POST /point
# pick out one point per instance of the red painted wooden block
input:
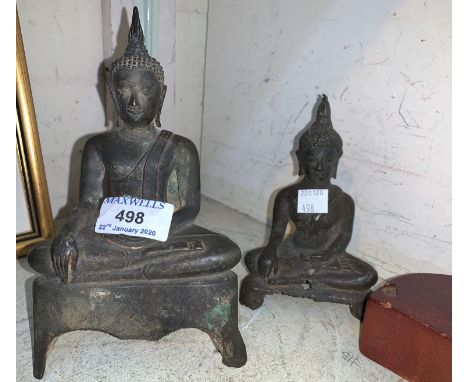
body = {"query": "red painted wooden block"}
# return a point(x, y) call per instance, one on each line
point(407, 327)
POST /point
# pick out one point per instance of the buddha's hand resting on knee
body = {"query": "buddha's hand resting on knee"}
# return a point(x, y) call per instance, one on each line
point(267, 262)
point(64, 253)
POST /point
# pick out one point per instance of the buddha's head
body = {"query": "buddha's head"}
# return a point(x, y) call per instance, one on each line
point(137, 81)
point(320, 147)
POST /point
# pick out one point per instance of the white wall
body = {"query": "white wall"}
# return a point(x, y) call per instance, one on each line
point(166, 56)
point(64, 49)
point(387, 71)
point(190, 44)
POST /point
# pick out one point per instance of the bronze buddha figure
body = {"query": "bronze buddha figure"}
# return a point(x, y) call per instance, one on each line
point(132, 287)
point(312, 262)
point(143, 162)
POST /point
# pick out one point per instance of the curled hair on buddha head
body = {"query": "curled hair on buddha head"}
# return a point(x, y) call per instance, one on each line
point(320, 134)
point(136, 55)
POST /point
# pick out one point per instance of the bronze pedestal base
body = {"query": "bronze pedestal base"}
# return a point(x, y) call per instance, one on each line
point(254, 289)
point(148, 310)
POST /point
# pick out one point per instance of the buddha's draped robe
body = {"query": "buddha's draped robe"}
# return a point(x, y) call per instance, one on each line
point(163, 173)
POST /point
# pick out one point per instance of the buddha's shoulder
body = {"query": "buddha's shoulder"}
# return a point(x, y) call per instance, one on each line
point(182, 142)
point(337, 195)
point(100, 139)
point(287, 195)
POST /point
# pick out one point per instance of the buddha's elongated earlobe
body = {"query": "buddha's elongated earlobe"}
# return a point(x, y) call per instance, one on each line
point(334, 171)
point(117, 119)
point(301, 171)
point(161, 101)
point(299, 160)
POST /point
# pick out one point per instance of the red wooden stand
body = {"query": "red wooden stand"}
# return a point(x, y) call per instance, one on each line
point(407, 327)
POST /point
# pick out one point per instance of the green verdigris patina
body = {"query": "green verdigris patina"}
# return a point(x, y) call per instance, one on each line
point(218, 316)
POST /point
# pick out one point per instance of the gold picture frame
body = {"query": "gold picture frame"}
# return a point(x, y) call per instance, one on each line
point(29, 160)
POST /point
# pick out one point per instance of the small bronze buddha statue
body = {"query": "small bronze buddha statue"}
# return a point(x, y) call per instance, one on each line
point(132, 287)
point(142, 162)
point(312, 262)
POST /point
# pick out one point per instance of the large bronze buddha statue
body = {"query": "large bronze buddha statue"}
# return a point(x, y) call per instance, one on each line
point(312, 261)
point(132, 287)
point(144, 162)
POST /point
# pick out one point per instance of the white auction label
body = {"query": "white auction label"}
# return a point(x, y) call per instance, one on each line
point(135, 217)
point(312, 201)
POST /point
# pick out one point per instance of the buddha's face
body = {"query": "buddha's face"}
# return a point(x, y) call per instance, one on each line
point(137, 96)
point(319, 163)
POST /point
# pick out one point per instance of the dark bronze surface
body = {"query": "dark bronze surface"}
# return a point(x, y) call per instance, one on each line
point(144, 162)
point(311, 262)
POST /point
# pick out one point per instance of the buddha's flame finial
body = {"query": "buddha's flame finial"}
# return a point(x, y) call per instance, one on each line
point(136, 36)
point(324, 111)
point(136, 55)
point(321, 133)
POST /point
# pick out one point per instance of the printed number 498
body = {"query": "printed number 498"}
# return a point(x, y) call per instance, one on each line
point(130, 216)
point(307, 208)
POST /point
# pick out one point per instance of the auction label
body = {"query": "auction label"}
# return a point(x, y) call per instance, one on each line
point(312, 201)
point(135, 217)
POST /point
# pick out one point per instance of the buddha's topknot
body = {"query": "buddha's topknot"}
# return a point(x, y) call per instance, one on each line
point(321, 133)
point(136, 55)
